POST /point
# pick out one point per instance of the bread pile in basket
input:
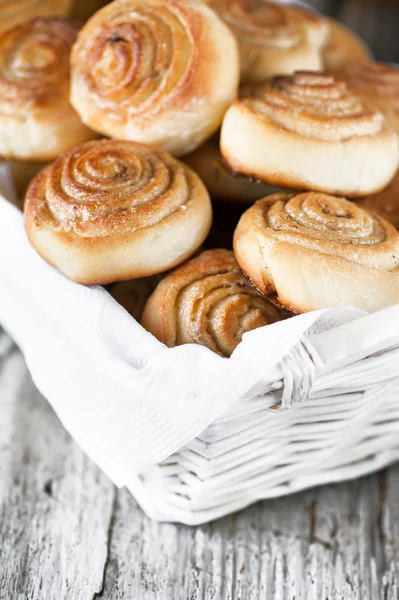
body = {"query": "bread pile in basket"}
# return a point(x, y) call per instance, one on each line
point(132, 130)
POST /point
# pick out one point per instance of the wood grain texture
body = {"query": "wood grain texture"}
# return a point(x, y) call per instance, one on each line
point(55, 505)
point(66, 533)
point(335, 542)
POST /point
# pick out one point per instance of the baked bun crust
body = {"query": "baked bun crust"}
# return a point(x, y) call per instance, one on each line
point(113, 210)
point(37, 121)
point(274, 38)
point(385, 203)
point(162, 72)
point(343, 45)
point(207, 301)
point(222, 184)
point(317, 251)
point(376, 83)
point(308, 131)
point(14, 12)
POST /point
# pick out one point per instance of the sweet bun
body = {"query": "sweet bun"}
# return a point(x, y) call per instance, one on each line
point(308, 131)
point(162, 72)
point(113, 210)
point(318, 251)
point(37, 122)
point(343, 45)
point(376, 83)
point(274, 38)
point(13, 12)
point(222, 184)
point(207, 301)
point(134, 293)
point(385, 203)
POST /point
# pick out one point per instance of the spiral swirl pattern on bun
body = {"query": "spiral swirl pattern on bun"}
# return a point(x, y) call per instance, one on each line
point(314, 105)
point(161, 72)
point(37, 121)
point(273, 37)
point(207, 301)
point(112, 210)
point(376, 83)
point(13, 12)
point(319, 251)
point(308, 131)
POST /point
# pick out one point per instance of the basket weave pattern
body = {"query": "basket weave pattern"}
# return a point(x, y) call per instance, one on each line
point(323, 430)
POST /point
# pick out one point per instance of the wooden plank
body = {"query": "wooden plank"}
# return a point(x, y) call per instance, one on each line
point(335, 542)
point(55, 505)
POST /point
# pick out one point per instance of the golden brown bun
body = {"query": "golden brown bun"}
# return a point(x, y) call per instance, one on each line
point(223, 184)
point(307, 131)
point(162, 72)
point(273, 38)
point(14, 12)
point(207, 301)
point(318, 251)
point(134, 293)
point(113, 210)
point(83, 9)
point(343, 45)
point(37, 122)
point(385, 203)
point(378, 84)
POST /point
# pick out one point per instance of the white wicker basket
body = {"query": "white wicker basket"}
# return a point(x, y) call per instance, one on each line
point(340, 424)
point(327, 411)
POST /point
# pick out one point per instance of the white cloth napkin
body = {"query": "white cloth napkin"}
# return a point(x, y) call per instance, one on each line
point(128, 400)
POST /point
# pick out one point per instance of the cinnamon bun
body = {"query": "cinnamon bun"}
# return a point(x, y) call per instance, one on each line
point(113, 210)
point(161, 72)
point(308, 131)
point(37, 122)
point(207, 301)
point(318, 251)
point(274, 37)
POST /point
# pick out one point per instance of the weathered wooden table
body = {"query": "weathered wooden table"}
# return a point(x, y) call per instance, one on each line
point(67, 534)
